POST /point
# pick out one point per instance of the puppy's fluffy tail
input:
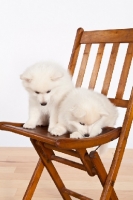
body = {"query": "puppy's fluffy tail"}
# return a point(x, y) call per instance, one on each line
point(103, 148)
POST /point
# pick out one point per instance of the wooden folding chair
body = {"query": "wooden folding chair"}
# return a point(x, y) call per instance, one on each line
point(113, 44)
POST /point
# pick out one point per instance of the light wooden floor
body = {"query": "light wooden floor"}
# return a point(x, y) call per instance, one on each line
point(17, 165)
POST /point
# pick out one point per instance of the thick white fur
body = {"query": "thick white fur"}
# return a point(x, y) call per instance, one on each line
point(84, 113)
point(65, 108)
point(52, 83)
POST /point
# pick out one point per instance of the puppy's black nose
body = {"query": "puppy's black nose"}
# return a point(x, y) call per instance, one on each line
point(43, 104)
point(86, 135)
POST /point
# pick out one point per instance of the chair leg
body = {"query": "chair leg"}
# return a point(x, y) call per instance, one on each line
point(34, 181)
point(83, 155)
point(45, 155)
point(101, 173)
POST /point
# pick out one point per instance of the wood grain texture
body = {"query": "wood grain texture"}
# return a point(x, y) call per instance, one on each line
point(83, 66)
point(17, 166)
point(125, 72)
point(96, 66)
point(75, 51)
point(108, 36)
point(45, 144)
point(110, 69)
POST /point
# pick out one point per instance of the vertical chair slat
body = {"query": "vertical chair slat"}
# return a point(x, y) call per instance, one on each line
point(125, 71)
point(83, 65)
point(110, 68)
point(96, 66)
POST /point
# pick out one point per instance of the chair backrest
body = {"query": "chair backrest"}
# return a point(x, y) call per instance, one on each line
point(106, 58)
point(120, 72)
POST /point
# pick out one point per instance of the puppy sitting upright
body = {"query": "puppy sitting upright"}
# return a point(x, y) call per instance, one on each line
point(47, 84)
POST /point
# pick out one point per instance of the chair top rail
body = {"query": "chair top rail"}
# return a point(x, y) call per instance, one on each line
point(107, 36)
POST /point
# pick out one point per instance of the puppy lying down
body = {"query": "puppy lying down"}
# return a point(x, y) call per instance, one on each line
point(84, 113)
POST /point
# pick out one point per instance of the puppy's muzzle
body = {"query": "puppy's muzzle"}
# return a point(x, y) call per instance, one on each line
point(86, 135)
point(43, 104)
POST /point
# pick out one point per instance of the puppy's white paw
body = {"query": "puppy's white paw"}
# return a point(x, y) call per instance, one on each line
point(50, 128)
point(103, 148)
point(58, 130)
point(76, 135)
point(95, 131)
point(29, 125)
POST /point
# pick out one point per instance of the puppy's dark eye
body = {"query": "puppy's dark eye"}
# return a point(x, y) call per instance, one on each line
point(48, 91)
point(37, 92)
point(82, 123)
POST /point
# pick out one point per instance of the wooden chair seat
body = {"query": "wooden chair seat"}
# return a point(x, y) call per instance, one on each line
point(64, 141)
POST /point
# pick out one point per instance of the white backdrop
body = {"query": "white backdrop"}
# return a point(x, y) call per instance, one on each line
point(36, 30)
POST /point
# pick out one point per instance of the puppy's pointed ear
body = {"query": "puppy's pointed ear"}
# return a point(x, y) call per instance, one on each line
point(55, 76)
point(26, 77)
point(78, 112)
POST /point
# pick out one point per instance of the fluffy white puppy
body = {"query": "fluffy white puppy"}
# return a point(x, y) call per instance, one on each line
point(84, 113)
point(47, 84)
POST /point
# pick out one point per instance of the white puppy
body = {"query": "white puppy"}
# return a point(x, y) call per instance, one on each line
point(84, 113)
point(47, 85)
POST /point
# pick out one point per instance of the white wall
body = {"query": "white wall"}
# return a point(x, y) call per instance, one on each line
point(36, 30)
